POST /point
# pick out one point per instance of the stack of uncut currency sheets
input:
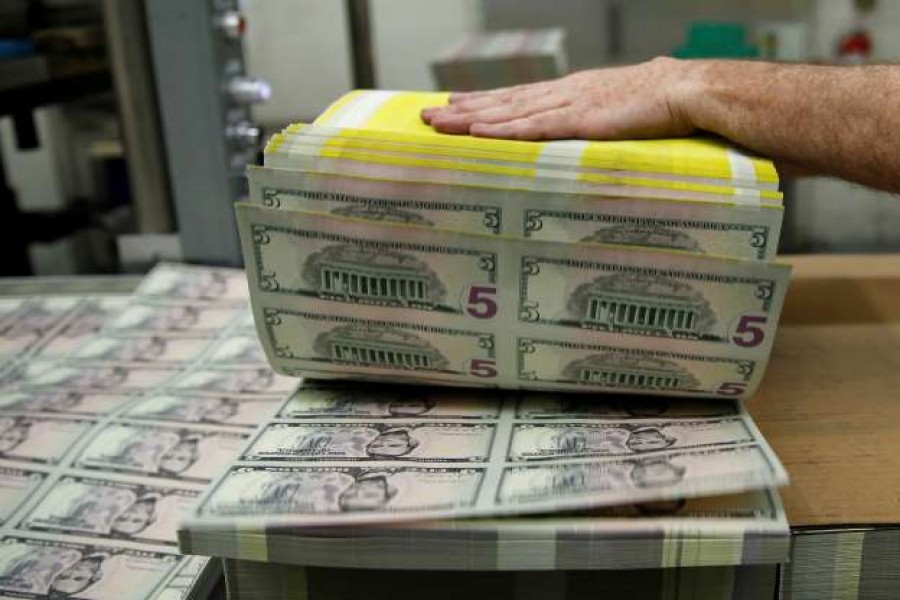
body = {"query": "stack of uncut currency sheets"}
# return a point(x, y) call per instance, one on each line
point(516, 355)
point(379, 249)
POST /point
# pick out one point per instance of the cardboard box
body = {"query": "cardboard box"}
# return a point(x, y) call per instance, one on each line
point(830, 404)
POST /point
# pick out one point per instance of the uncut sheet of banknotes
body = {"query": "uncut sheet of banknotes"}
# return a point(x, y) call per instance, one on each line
point(428, 478)
point(115, 412)
point(568, 281)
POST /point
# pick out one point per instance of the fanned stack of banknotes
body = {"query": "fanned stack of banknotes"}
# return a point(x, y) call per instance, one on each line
point(377, 248)
point(575, 323)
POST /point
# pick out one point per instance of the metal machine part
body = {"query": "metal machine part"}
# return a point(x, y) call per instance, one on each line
point(232, 24)
point(132, 68)
point(204, 97)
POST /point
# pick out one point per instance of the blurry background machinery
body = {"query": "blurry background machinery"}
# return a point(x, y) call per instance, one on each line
point(129, 132)
point(54, 100)
point(126, 125)
point(204, 96)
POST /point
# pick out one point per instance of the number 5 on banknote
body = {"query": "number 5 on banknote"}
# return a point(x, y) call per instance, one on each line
point(482, 302)
point(592, 290)
point(749, 332)
point(329, 260)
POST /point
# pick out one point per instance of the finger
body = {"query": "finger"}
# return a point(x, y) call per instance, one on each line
point(428, 113)
point(496, 114)
point(519, 93)
point(463, 96)
point(559, 123)
point(531, 95)
point(476, 102)
point(449, 123)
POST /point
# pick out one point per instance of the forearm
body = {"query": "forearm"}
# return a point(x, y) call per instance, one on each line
point(840, 121)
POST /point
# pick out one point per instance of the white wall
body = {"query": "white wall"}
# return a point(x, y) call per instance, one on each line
point(408, 33)
point(648, 27)
point(833, 215)
point(301, 48)
point(830, 19)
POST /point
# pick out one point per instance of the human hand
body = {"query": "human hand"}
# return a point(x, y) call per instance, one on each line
point(638, 101)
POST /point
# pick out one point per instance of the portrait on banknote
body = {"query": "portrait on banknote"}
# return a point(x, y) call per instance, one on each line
point(34, 568)
point(432, 441)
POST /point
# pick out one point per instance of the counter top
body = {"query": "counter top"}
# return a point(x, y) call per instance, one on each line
point(829, 403)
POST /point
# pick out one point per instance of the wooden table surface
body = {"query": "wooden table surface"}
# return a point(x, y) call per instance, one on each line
point(829, 404)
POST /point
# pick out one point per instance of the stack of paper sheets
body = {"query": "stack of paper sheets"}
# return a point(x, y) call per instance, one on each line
point(248, 580)
point(350, 476)
point(572, 279)
point(379, 249)
point(501, 58)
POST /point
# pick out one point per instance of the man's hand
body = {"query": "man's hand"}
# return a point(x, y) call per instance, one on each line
point(639, 101)
point(839, 121)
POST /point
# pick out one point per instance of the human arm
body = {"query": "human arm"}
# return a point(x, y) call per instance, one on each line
point(840, 121)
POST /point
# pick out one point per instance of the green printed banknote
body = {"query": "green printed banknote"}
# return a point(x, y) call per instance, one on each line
point(382, 299)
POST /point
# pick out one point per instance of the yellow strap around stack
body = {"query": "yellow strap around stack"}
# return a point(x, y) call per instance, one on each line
point(395, 116)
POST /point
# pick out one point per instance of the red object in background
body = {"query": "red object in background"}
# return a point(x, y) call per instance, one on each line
point(856, 45)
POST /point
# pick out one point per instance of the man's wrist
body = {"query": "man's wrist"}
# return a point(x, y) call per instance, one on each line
point(690, 93)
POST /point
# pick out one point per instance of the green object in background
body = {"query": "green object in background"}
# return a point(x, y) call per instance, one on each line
point(709, 39)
